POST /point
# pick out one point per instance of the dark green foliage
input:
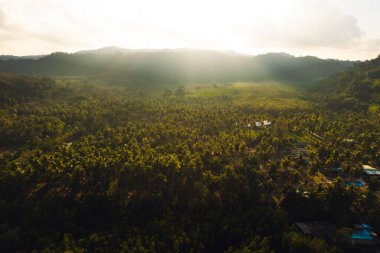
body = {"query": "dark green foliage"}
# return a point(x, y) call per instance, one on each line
point(355, 89)
point(93, 169)
point(298, 243)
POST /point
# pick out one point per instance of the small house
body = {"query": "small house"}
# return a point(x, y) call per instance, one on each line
point(323, 230)
point(363, 235)
point(356, 183)
point(266, 123)
point(371, 172)
point(368, 167)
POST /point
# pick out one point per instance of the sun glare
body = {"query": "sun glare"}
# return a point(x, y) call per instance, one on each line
point(294, 26)
point(202, 24)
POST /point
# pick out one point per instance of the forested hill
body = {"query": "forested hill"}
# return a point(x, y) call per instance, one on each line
point(356, 88)
point(176, 66)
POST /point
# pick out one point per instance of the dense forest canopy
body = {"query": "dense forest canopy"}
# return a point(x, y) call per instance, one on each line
point(357, 87)
point(220, 167)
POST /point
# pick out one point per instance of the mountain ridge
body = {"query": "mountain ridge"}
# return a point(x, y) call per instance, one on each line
point(169, 66)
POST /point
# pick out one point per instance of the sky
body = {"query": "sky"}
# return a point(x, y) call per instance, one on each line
point(338, 29)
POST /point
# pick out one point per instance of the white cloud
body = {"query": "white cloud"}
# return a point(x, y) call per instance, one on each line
point(322, 26)
point(309, 25)
point(295, 26)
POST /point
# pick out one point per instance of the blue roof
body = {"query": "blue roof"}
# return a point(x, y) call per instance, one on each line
point(366, 226)
point(362, 235)
point(355, 183)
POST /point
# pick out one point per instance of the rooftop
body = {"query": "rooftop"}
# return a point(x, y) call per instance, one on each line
point(357, 183)
point(372, 172)
point(368, 167)
point(363, 234)
point(319, 229)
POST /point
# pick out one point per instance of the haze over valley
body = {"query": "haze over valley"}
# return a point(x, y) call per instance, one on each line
point(210, 126)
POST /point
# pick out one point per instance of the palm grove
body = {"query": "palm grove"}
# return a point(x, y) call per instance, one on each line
point(96, 168)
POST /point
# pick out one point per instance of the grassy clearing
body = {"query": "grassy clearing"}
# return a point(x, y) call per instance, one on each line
point(266, 95)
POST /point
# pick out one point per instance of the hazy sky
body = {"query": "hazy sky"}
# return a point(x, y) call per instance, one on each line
point(343, 29)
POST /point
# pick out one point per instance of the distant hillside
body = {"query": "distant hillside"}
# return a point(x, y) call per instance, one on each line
point(12, 57)
point(357, 87)
point(144, 67)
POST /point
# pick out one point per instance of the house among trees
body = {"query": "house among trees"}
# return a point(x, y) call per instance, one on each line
point(371, 172)
point(323, 230)
point(368, 167)
point(350, 141)
point(267, 123)
point(363, 235)
point(356, 182)
point(299, 150)
point(263, 123)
